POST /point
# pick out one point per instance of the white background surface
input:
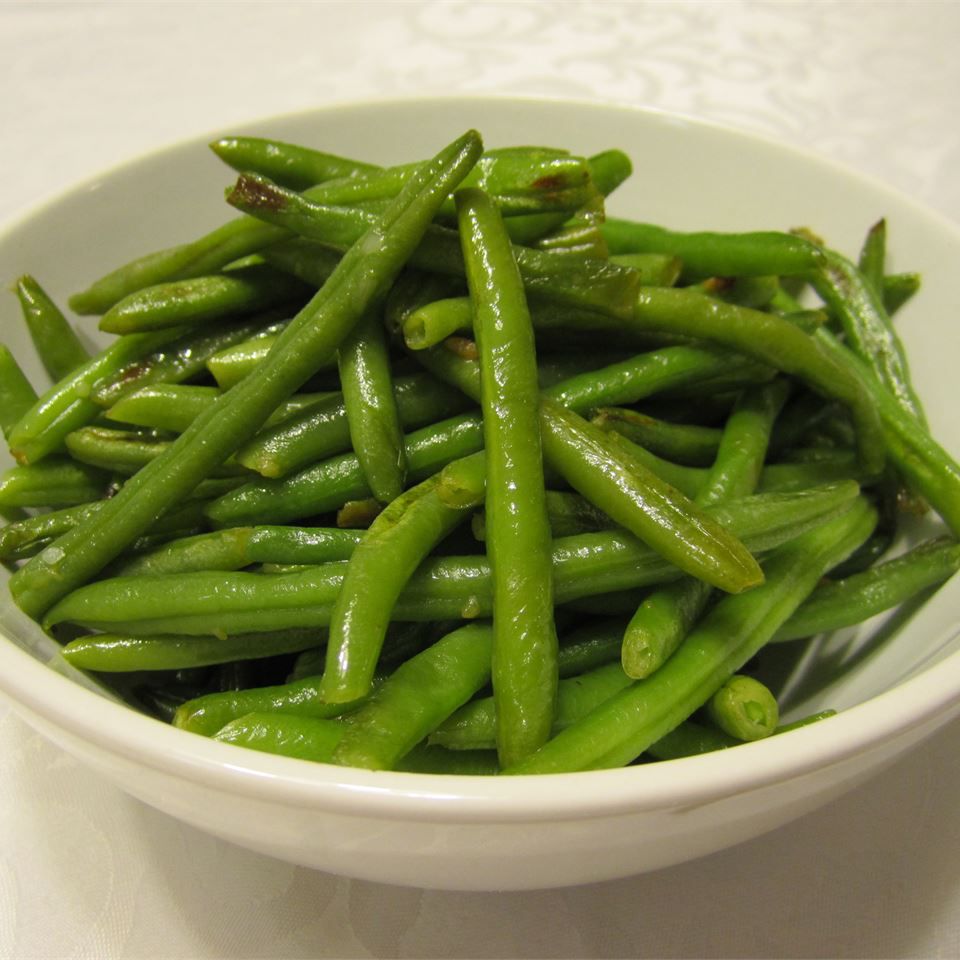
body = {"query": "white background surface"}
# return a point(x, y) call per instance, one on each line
point(86, 871)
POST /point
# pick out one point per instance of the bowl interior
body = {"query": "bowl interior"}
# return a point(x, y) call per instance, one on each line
point(687, 175)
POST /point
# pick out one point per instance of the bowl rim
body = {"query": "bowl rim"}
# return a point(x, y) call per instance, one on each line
point(929, 697)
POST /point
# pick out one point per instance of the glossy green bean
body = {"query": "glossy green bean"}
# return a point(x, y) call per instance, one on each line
point(327, 485)
point(744, 708)
point(769, 339)
point(17, 395)
point(616, 482)
point(322, 430)
point(363, 275)
point(595, 284)
point(731, 633)
point(689, 444)
point(376, 434)
point(843, 603)
point(200, 300)
point(866, 326)
point(306, 738)
point(67, 405)
point(927, 469)
point(119, 653)
point(416, 698)
point(295, 166)
point(54, 482)
point(207, 714)
point(379, 568)
point(665, 616)
point(443, 588)
point(58, 346)
point(706, 254)
point(518, 531)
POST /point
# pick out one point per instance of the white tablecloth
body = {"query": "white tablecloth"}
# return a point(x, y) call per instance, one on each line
point(87, 872)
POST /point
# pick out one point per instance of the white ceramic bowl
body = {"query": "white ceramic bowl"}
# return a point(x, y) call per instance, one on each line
point(489, 833)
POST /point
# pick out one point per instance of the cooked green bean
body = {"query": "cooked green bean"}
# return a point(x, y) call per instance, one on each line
point(208, 714)
point(363, 274)
point(744, 708)
point(67, 405)
point(17, 395)
point(443, 588)
point(322, 430)
point(688, 444)
point(370, 405)
point(518, 531)
point(307, 738)
point(416, 698)
point(922, 463)
point(595, 284)
point(844, 603)
point(384, 560)
point(118, 653)
point(769, 339)
point(624, 726)
point(706, 254)
point(293, 165)
point(57, 345)
point(54, 482)
point(613, 480)
point(200, 300)
point(666, 615)
point(866, 326)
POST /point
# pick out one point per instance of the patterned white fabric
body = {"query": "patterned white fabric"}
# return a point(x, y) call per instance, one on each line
point(85, 871)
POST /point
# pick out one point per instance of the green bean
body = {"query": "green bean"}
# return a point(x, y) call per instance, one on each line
point(308, 261)
point(772, 340)
point(595, 284)
point(207, 714)
point(518, 531)
point(844, 603)
point(125, 451)
point(397, 541)
point(58, 347)
point(744, 708)
point(616, 482)
point(199, 300)
point(475, 725)
point(589, 646)
point(306, 738)
point(327, 485)
point(655, 269)
point(926, 468)
point(417, 698)
point(294, 166)
point(707, 254)
point(443, 588)
point(118, 653)
point(568, 514)
point(524, 180)
point(363, 275)
point(730, 634)
point(359, 514)
point(322, 431)
point(370, 405)
point(688, 444)
point(866, 326)
point(17, 395)
point(755, 292)
point(174, 406)
point(666, 615)
point(54, 482)
point(67, 405)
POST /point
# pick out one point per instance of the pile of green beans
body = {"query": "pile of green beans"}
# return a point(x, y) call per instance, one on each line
point(440, 468)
